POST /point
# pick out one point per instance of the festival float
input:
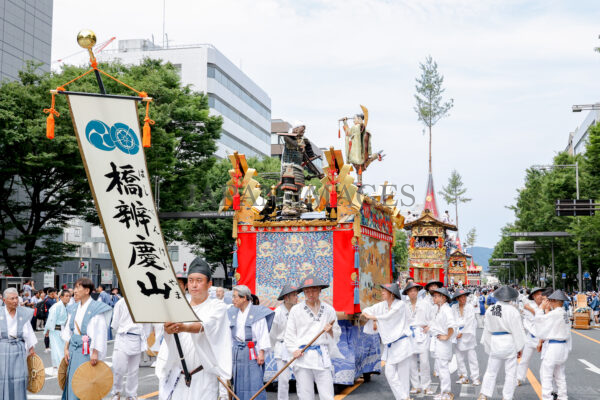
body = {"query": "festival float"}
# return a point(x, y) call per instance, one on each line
point(333, 232)
point(429, 243)
point(474, 274)
point(457, 267)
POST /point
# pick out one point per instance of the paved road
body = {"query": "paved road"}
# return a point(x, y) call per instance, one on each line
point(583, 377)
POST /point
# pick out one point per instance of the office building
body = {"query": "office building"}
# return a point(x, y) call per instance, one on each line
point(26, 34)
point(579, 138)
point(244, 106)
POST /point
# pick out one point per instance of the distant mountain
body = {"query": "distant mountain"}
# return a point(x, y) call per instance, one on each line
point(481, 256)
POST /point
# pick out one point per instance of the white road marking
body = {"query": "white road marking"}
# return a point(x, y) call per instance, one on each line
point(590, 366)
point(43, 396)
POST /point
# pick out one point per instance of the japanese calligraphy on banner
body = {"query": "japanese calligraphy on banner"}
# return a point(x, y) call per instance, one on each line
point(108, 133)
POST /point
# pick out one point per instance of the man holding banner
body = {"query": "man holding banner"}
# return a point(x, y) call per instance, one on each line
point(85, 332)
point(205, 344)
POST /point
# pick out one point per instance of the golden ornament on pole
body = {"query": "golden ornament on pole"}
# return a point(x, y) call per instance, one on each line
point(37, 373)
point(87, 39)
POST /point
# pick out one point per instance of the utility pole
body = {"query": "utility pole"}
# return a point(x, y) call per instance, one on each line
point(579, 271)
point(553, 274)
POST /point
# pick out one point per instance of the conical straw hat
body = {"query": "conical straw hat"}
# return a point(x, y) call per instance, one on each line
point(62, 374)
point(92, 383)
point(37, 373)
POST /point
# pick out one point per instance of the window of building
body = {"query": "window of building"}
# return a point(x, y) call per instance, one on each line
point(237, 117)
point(235, 88)
point(173, 252)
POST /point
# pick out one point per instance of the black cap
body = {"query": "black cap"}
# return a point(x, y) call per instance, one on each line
point(313, 281)
point(433, 282)
point(506, 293)
point(558, 295)
point(287, 289)
point(444, 291)
point(392, 288)
point(410, 286)
point(533, 291)
point(460, 292)
point(199, 266)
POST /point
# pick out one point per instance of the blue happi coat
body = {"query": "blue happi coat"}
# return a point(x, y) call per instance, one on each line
point(13, 356)
point(76, 356)
point(247, 375)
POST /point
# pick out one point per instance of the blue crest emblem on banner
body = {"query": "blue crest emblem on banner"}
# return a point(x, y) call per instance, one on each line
point(119, 136)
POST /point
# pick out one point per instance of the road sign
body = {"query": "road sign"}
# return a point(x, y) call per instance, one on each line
point(571, 207)
point(524, 247)
point(586, 275)
point(84, 266)
point(564, 276)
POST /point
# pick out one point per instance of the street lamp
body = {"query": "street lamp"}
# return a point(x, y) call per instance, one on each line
point(576, 166)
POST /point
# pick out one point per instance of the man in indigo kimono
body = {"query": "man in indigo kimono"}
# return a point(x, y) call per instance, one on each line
point(250, 326)
point(16, 341)
point(85, 333)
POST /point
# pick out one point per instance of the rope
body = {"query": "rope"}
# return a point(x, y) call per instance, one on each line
point(94, 64)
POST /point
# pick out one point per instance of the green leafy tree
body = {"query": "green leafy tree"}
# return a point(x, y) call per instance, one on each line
point(400, 251)
point(44, 182)
point(454, 192)
point(430, 106)
point(212, 238)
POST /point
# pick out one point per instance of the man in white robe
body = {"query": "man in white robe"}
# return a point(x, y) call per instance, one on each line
point(503, 338)
point(306, 320)
point(429, 311)
point(553, 326)
point(420, 377)
point(530, 310)
point(130, 341)
point(441, 330)
point(390, 318)
point(466, 338)
point(206, 344)
point(289, 296)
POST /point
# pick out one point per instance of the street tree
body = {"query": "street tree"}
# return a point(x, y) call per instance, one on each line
point(213, 238)
point(430, 106)
point(454, 192)
point(400, 251)
point(471, 238)
point(43, 181)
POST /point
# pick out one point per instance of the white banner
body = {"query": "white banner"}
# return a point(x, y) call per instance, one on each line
point(49, 279)
point(106, 277)
point(108, 133)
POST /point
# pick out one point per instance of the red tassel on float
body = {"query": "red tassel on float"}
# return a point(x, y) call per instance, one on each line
point(236, 201)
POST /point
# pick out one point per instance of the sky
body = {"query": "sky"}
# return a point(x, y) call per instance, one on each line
point(513, 68)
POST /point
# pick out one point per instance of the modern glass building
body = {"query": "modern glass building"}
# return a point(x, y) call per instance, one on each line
point(25, 34)
point(244, 106)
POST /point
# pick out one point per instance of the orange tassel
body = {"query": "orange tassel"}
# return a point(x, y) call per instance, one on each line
point(146, 129)
point(339, 133)
point(50, 126)
point(146, 134)
point(50, 120)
